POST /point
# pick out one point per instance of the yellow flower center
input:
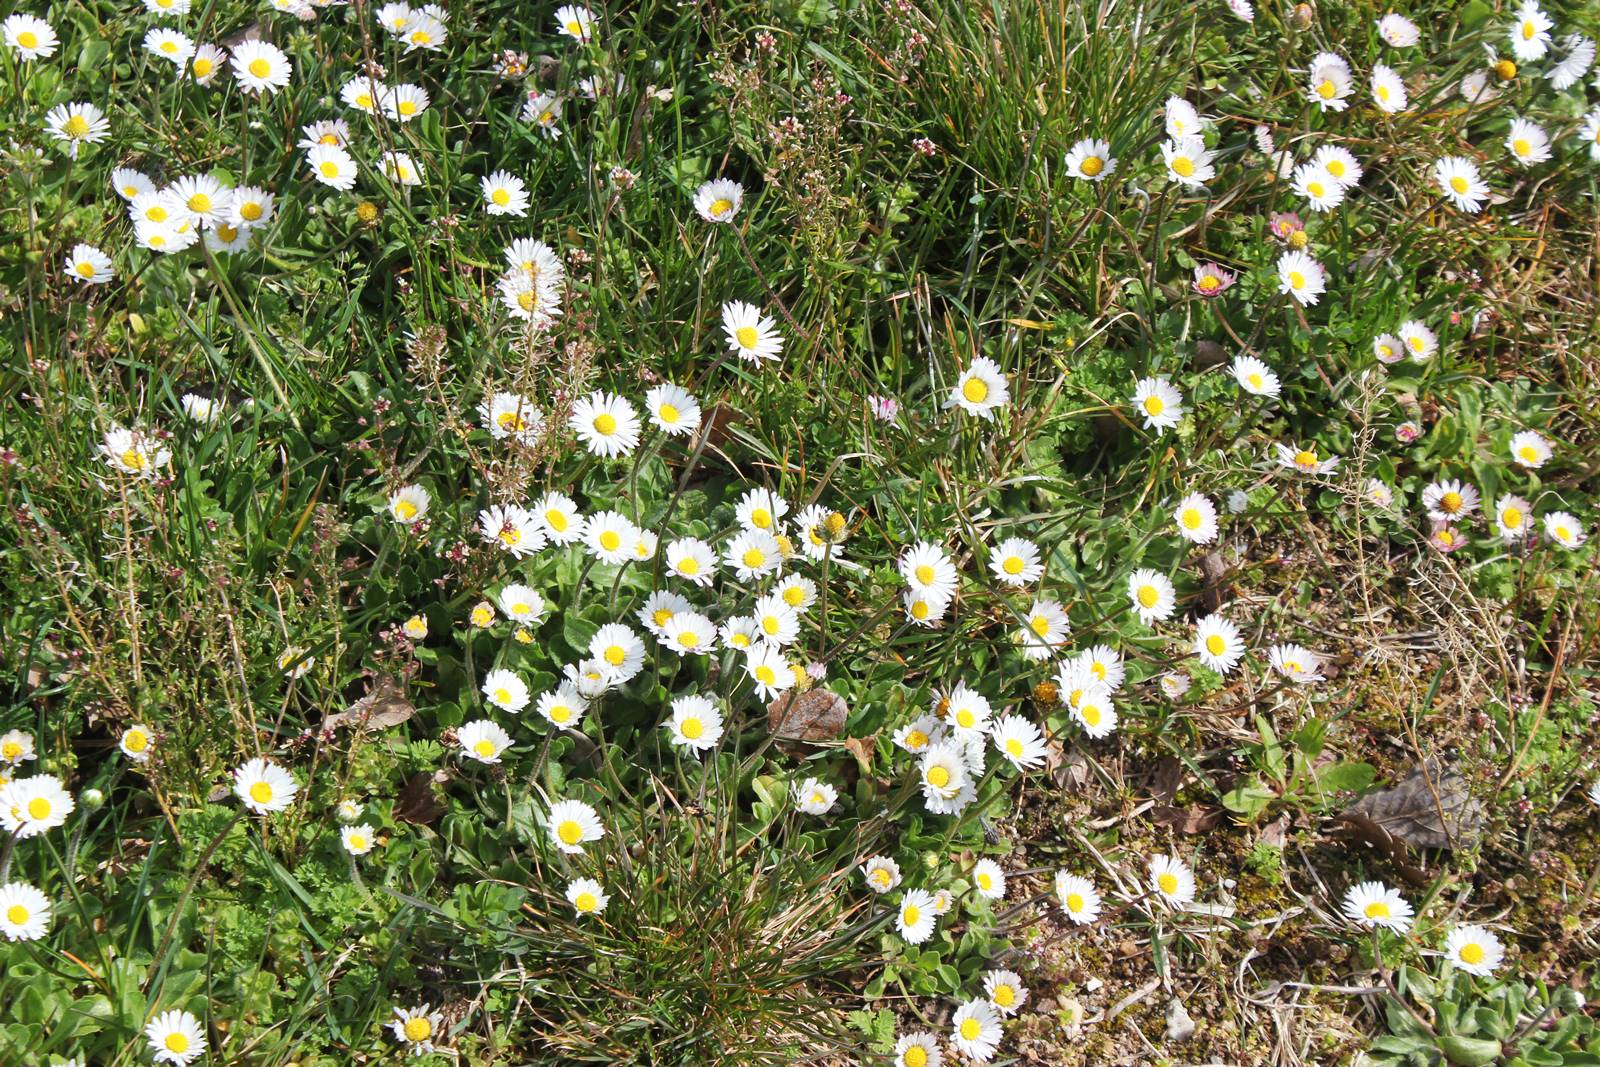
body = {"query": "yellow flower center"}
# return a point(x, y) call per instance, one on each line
point(576, 29)
point(560, 713)
point(586, 902)
point(1563, 533)
point(1378, 909)
point(364, 102)
point(570, 832)
point(418, 1029)
point(261, 792)
point(692, 729)
point(1211, 283)
point(753, 557)
point(199, 203)
point(746, 336)
point(1183, 166)
point(16, 915)
point(408, 107)
point(615, 654)
point(1305, 458)
point(260, 68)
point(136, 740)
point(11, 750)
point(1074, 902)
point(329, 169)
point(1039, 625)
point(1326, 89)
point(919, 609)
point(794, 596)
point(610, 540)
point(1154, 405)
point(501, 197)
point(484, 748)
point(421, 37)
point(721, 207)
point(1451, 501)
point(765, 675)
point(203, 66)
point(1459, 184)
point(605, 424)
point(689, 639)
point(1297, 280)
point(1092, 165)
point(405, 509)
point(156, 213)
point(924, 574)
point(916, 739)
point(133, 459)
point(1091, 714)
point(77, 126)
point(1149, 596)
point(911, 915)
point(1472, 953)
point(667, 414)
point(1014, 747)
point(1004, 996)
point(971, 1028)
point(1383, 93)
point(938, 777)
point(169, 47)
point(761, 517)
point(975, 390)
point(510, 535)
point(1191, 518)
point(28, 39)
point(1335, 167)
point(1168, 882)
point(176, 1042)
point(1511, 518)
point(358, 842)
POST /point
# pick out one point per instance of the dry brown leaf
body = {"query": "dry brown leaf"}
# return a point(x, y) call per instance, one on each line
point(385, 705)
point(815, 715)
point(416, 803)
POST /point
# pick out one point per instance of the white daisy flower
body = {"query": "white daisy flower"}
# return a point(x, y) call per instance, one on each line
point(409, 504)
point(416, 1028)
point(608, 537)
point(29, 36)
point(1474, 949)
point(881, 873)
point(1005, 991)
point(1459, 180)
point(562, 707)
point(1373, 904)
point(1078, 898)
point(1091, 160)
point(176, 1037)
point(619, 648)
point(1217, 643)
point(1527, 142)
point(1450, 499)
point(1196, 517)
point(752, 554)
point(1296, 663)
point(1182, 120)
point(363, 94)
point(1340, 163)
point(1188, 161)
point(512, 528)
point(332, 166)
point(1301, 277)
point(1171, 880)
point(558, 518)
point(1254, 376)
point(129, 183)
point(1564, 529)
point(928, 568)
point(405, 102)
point(606, 424)
point(576, 21)
point(573, 824)
point(916, 917)
point(689, 633)
point(1015, 562)
point(504, 194)
point(692, 559)
point(765, 664)
point(1158, 403)
point(264, 787)
point(136, 741)
point(260, 67)
point(673, 410)
point(1529, 449)
point(482, 740)
point(696, 723)
point(1152, 595)
point(587, 896)
point(751, 334)
point(206, 63)
point(358, 839)
point(24, 912)
point(719, 200)
point(761, 509)
point(980, 389)
point(88, 265)
point(813, 797)
point(1389, 90)
point(975, 1030)
point(1398, 31)
point(1529, 32)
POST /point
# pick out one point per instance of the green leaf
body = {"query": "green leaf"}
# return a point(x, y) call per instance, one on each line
point(1469, 1051)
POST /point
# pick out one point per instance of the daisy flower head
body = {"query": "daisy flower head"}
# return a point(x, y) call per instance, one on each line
point(1015, 562)
point(425, 33)
point(504, 194)
point(916, 735)
point(206, 63)
point(975, 1030)
point(926, 567)
point(24, 912)
point(357, 839)
point(918, 1049)
point(504, 690)
point(332, 166)
point(511, 528)
point(408, 505)
point(761, 509)
point(136, 742)
point(608, 535)
point(521, 604)
point(967, 711)
point(250, 205)
point(1091, 160)
point(1574, 64)
point(483, 740)
point(752, 335)
point(88, 265)
point(264, 787)
point(562, 707)
point(1189, 162)
point(989, 880)
point(16, 746)
point(1005, 991)
point(1044, 629)
point(1398, 31)
point(175, 1037)
point(1340, 164)
point(1321, 189)
point(1389, 90)
point(753, 554)
point(692, 559)
point(260, 67)
point(1196, 518)
point(1094, 711)
point(1449, 499)
point(1301, 277)
point(776, 622)
point(924, 607)
point(587, 896)
point(1388, 348)
point(765, 664)
point(1529, 32)
point(200, 200)
point(405, 102)
point(797, 591)
point(576, 21)
point(1078, 898)
point(129, 183)
point(719, 200)
point(881, 873)
point(1329, 83)
point(814, 797)
point(689, 633)
point(134, 452)
point(1458, 178)
point(1151, 595)
point(416, 1028)
point(619, 648)
point(1305, 459)
point(165, 237)
point(169, 44)
point(1378, 493)
point(1182, 120)
point(1211, 280)
point(1158, 403)
point(980, 389)
point(1171, 880)
point(573, 824)
point(1529, 449)
point(1527, 142)
point(1254, 376)
point(32, 806)
point(75, 125)
point(511, 415)
point(1564, 529)
point(916, 917)
point(1217, 643)
point(543, 110)
point(1298, 664)
point(29, 36)
point(1371, 905)
point(673, 410)
point(362, 93)
point(1103, 664)
point(696, 723)
point(1474, 949)
point(606, 424)
point(942, 771)
point(737, 634)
